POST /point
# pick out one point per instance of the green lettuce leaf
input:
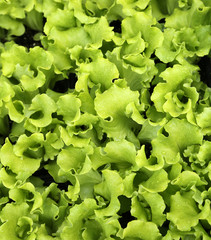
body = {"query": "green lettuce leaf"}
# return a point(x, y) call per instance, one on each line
point(72, 226)
point(142, 230)
point(27, 67)
point(113, 118)
point(16, 223)
point(23, 166)
point(179, 135)
point(184, 212)
point(41, 110)
point(176, 96)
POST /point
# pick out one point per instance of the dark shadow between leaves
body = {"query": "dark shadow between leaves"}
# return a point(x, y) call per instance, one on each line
point(62, 86)
point(117, 26)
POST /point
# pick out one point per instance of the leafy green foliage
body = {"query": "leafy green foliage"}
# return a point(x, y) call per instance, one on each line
point(105, 119)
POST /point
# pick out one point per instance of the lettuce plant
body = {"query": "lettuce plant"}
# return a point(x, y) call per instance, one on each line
point(105, 120)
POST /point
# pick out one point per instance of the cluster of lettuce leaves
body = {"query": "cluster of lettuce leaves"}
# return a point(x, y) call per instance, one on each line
point(105, 122)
